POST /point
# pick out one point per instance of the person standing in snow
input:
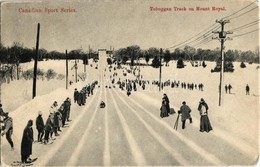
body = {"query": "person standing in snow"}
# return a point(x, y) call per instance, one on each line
point(48, 129)
point(247, 89)
point(27, 141)
point(8, 129)
point(226, 88)
point(164, 112)
point(40, 126)
point(68, 109)
point(76, 95)
point(229, 88)
point(59, 117)
point(2, 113)
point(204, 120)
point(185, 114)
point(167, 102)
point(54, 118)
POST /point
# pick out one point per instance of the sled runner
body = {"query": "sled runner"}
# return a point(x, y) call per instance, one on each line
point(19, 163)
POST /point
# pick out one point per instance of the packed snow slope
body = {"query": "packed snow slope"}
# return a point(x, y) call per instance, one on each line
point(129, 131)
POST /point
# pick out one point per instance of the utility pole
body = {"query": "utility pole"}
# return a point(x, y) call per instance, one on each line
point(36, 61)
point(76, 72)
point(85, 62)
point(66, 69)
point(160, 73)
point(88, 51)
point(222, 38)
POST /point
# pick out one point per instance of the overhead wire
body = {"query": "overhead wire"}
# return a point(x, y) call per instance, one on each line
point(239, 10)
point(202, 37)
point(238, 35)
point(245, 25)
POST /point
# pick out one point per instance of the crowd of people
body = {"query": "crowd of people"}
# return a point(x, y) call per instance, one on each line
point(81, 96)
point(58, 116)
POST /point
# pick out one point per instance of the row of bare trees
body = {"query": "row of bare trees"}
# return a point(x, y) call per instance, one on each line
point(11, 58)
point(188, 53)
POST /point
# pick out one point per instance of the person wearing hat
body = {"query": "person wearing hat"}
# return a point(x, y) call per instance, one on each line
point(204, 119)
point(48, 129)
point(76, 93)
point(166, 101)
point(40, 126)
point(8, 129)
point(66, 111)
point(2, 113)
point(185, 114)
point(54, 118)
point(27, 141)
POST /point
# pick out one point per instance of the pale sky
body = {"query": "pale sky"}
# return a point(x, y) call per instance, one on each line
point(120, 23)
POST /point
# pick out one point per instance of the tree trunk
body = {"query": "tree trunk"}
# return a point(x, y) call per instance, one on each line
point(17, 71)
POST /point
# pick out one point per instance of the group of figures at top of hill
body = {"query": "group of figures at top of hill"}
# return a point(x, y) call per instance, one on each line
point(185, 111)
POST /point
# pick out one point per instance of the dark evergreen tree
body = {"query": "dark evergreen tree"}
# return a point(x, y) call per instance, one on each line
point(180, 63)
point(204, 64)
point(109, 61)
point(242, 65)
point(167, 57)
point(156, 62)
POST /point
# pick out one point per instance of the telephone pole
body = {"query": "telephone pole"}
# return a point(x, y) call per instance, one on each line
point(222, 38)
point(160, 67)
point(85, 62)
point(66, 69)
point(36, 61)
point(76, 72)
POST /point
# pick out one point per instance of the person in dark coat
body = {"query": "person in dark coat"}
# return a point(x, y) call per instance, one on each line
point(40, 126)
point(80, 98)
point(229, 88)
point(66, 106)
point(68, 109)
point(226, 88)
point(27, 141)
point(2, 113)
point(164, 112)
point(167, 102)
point(76, 95)
point(8, 129)
point(48, 129)
point(185, 114)
point(247, 89)
point(204, 120)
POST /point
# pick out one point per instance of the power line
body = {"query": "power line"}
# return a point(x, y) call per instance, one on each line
point(205, 35)
point(244, 13)
point(245, 25)
point(239, 10)
point(192, 37)
point(203, 42)
point(245, 33)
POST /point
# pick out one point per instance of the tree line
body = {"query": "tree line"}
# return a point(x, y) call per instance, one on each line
point(17, 53)
point(134, 53)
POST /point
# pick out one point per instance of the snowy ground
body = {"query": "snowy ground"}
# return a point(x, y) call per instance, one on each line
point(129, 130)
